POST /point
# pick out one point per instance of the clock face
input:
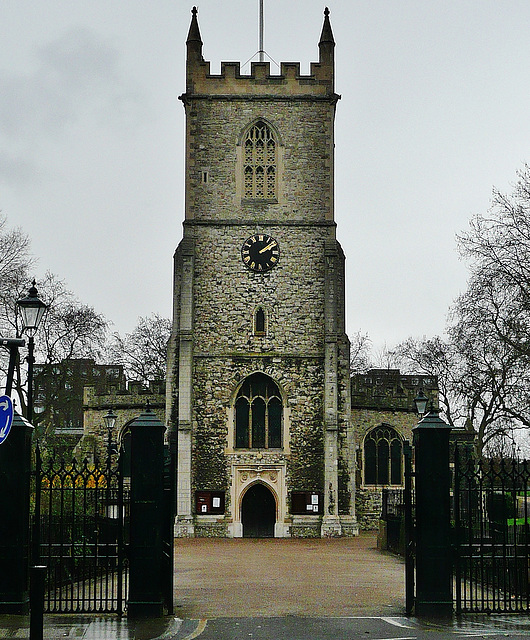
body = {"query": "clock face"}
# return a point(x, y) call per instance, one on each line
point(260, 252)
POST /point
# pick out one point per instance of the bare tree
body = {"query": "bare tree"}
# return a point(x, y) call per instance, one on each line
point(483, 365)
point(474, 381)
point(15, 263)
point(489, 373)
point(15, 254)
point(360, 353)
point(496, 305)
point(143, 352)
point(69, 329)
point(498, 249)
point(433, 357)
point(385, 358)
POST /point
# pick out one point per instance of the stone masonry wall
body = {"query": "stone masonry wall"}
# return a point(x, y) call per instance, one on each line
point(365, 419)
point(127, 405)
point(368, 505)
point(216, 385)
point(305, 160)
point(227, 293)
point(368, 498)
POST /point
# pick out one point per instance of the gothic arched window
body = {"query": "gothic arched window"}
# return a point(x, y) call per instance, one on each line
point(383, 455)
point(258, 414)
point(260, 163)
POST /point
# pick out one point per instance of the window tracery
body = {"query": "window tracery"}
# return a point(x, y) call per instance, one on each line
point(383, 455)
point(258, 414)
point(260, 163)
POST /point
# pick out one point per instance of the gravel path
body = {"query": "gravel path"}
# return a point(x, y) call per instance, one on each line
point(279, 577)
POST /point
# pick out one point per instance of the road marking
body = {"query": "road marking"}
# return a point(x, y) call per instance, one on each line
point(397, 622)
point(365, 618)
point(398, 638)
point(198, 630)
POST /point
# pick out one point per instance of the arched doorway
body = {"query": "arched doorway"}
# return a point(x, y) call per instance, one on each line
point(258, 512)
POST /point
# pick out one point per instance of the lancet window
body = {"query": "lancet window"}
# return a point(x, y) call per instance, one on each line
point(259, 322)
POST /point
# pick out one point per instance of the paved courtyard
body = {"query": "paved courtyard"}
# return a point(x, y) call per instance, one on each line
point(280, 577)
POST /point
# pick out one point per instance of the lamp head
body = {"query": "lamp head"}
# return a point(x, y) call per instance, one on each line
point(32, 309)
point(421, 401)
point(110, 420)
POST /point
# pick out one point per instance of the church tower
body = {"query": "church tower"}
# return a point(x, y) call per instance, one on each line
point(258, 368)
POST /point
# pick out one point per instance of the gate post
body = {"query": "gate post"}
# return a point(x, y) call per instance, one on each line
point(146, 516)
point(433, 517)
point(409, 535)
point(15, 480)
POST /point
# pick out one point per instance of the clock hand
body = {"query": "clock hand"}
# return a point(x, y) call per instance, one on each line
point(269, 246)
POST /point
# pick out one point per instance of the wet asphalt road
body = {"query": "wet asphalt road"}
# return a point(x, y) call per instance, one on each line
point(352, 628)
point(274, 628)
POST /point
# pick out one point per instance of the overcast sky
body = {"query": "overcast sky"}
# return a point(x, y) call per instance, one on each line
point(434, 113)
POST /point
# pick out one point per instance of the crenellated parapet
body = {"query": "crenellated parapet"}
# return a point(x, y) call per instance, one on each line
point(231, 83)
point(127, 404)
point(390, 390)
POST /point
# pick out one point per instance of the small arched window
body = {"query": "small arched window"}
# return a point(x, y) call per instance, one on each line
point(258, 414)
point(259, 322)
point(260, 160)
point(383, 456)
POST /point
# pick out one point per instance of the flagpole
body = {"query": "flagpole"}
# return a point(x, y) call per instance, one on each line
point(260, 44)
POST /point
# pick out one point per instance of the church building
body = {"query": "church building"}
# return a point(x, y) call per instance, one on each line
point(258, 390)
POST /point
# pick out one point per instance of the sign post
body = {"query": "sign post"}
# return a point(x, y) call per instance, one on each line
point(6, 417)
point(15, 479)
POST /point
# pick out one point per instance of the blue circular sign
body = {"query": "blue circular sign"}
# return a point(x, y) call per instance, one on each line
point(6, 417)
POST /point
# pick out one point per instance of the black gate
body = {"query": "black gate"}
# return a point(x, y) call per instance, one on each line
point(398, 512)
point(392, 514)
point(79, 533)
point(492, 534)
point(168, 543)
point(409, 514)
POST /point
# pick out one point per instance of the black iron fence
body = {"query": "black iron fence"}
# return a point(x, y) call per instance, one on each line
point(491, 512)
point(393, 515)
point(80, 527)
point(398, 515)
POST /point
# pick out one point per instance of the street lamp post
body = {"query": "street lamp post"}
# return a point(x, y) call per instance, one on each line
point(110, 421)
point(32, 309)
point(112, 507)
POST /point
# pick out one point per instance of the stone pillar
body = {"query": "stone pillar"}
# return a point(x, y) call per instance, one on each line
point(184, 525)
point(331, 522)
point(146, 516)
point(15, 476)
point(433, 517)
